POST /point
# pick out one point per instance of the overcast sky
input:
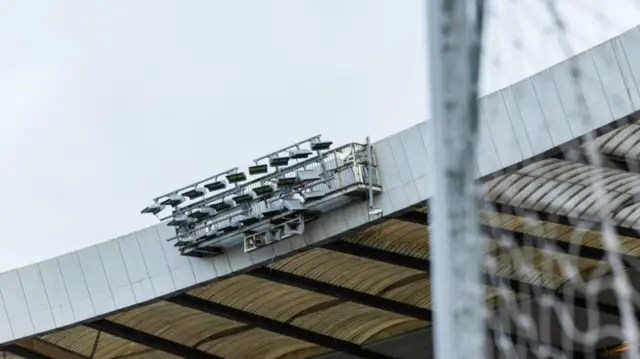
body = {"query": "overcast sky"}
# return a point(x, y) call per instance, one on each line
point(106, 104)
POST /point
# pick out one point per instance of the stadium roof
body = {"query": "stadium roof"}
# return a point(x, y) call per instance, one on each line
point(352, 288)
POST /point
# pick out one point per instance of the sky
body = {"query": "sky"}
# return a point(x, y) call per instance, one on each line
point(107, 104)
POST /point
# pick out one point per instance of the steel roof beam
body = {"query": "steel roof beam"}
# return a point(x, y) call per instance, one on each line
point(149, 340)
point(23, 352)
point(274, 326)
point(342, 293)
point(489, 279)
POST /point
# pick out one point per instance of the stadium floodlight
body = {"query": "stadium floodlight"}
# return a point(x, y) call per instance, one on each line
point(279, 161)
point(249, 219)
point(258, 169)
point(321, 145)
point(174, 200)
point(216, 185)
point(236, 177)
point(243, 198)
point(202, 212)
point(154, 209)
point(272, 211)
point(264, 190)
point(180, 221)
point(221, 206)
point(312, 195)
point(307, 176)
point(228, 227)
point(299, 153)
point(287, 181)
point(293, 205)
point(194, 192)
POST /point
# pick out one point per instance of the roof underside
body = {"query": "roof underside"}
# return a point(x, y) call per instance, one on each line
point(374, 285)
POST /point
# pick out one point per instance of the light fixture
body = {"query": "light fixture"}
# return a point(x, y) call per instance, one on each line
point(279, 161)
point(312, 195)
point(228, 227)
point(292, 205)
point(287, 181)
point(264, 190)
point(321, 145)
point(202, 212)
point(153, 209)
point(243, 198)
point(221, 206)
point(299, 153)
point(258, 169)
point(195, 192)
point(215, 186)
point(174, 200)
point(272, 211)
point(236, 177)
point(249, 219)
point(179, 221)
point(307, 176)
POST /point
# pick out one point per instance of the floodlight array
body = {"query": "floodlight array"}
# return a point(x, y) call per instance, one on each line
point(220, 207)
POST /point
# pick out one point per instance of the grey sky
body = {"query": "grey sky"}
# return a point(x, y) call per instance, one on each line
point(105, 104)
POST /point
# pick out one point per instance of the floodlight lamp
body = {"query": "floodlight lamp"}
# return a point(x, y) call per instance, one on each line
point(221, 206)
point(153, 209)
point(249, 219)
point(236, 177)
point(200, 213)
point(243, 198)
point(228, 227)
point(279, 161)
point(321, 145)
point(264, 190)
point(194, 192)
point(215, 186)
point(312, 195)
point(287, 181)
point(307, 176)
point(174, 200)
point(299, 153)
point(258, 169)
point(179, 221)
point(293, 205)
point(272, 211)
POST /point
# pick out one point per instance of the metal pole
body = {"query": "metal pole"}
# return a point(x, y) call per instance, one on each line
point(454, 33)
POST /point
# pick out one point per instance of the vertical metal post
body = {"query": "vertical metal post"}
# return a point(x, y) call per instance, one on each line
point(370, 173)
point(454, 34)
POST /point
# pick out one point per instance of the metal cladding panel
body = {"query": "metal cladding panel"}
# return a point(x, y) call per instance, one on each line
point(517, 123)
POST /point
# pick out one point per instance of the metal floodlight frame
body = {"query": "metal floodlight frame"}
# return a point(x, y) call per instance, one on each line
point(235, 169)
point(236, 177)
point(215, 185)
point(243, 198)
point(258, 169)
point(195, 192)
point(263, 190)
point(269, 177)
point(318, 145)
point(174, 200)
point(153, 208)
point(286, 182)
point(279, 161)
point(299, 153)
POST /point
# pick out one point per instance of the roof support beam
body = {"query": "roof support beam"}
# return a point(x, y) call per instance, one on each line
point(528, 240)
point(23, 352)
point(489, 279)
point(274, 326)
point(49, 350)
point(149, 340)
point(342, 293)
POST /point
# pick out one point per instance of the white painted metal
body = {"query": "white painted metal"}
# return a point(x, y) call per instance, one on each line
point(454, 28)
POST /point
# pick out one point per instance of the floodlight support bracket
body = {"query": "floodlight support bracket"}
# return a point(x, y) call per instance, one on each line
point(296, 145)
point(233, 170)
